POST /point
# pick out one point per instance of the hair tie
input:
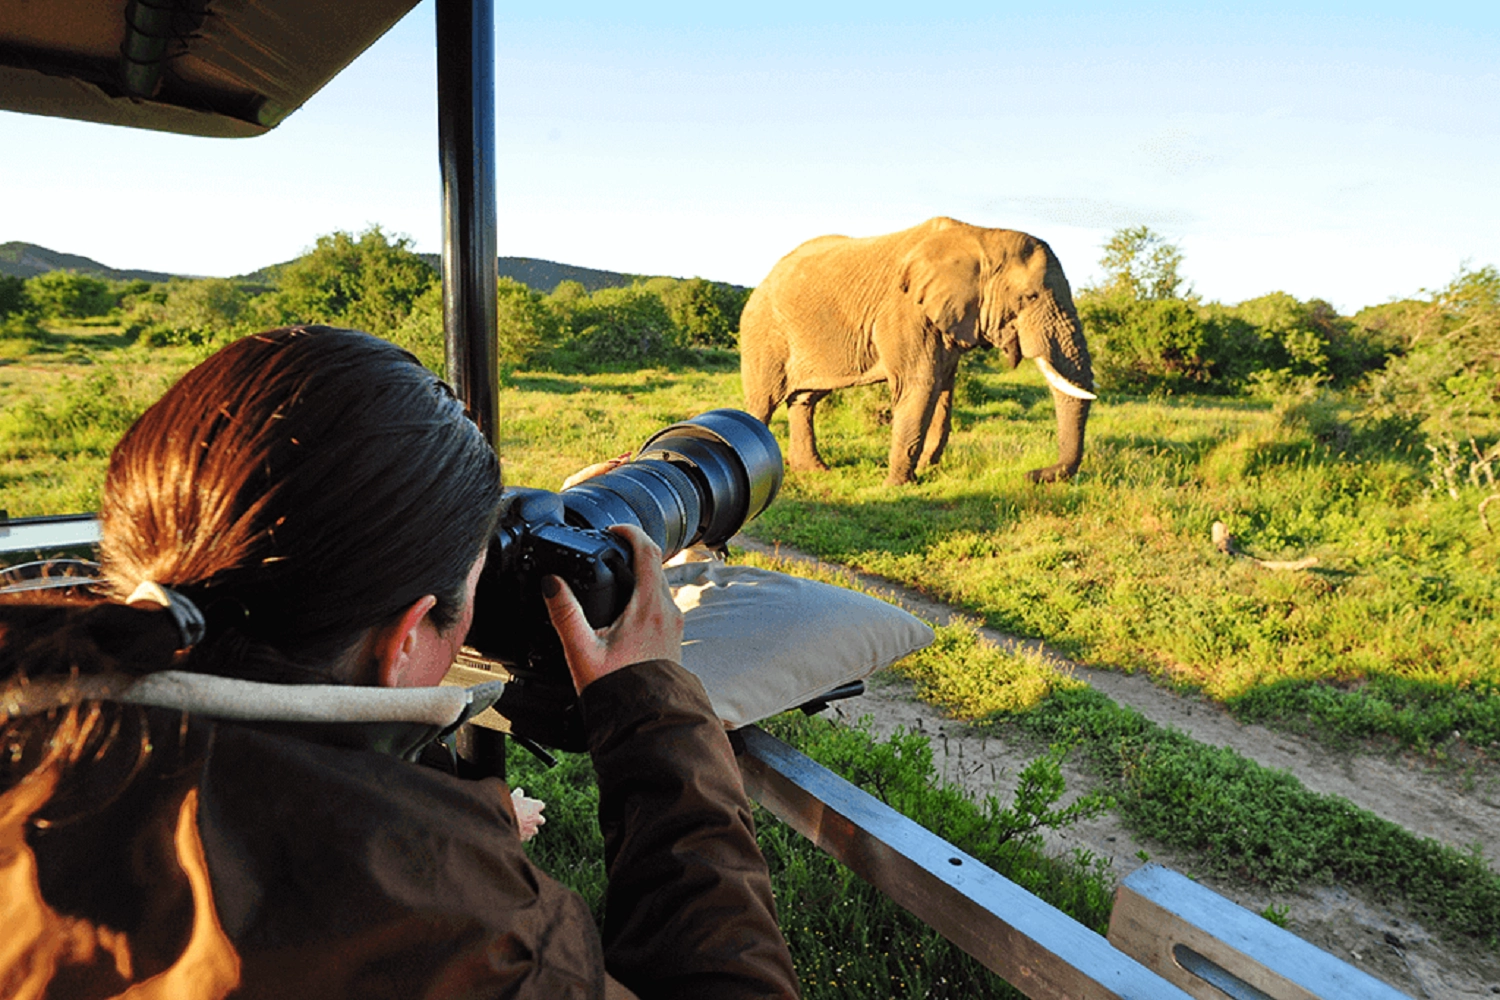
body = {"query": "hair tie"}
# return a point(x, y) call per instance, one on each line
point(189, 620)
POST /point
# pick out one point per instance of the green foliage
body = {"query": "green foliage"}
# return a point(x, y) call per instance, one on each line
point(204, 311)
point(706, 313)
point(1145, 337)
point(1278, 915)
point(421, 332)
point(369, 282)
point(847, 939)
point(1421, 713)
point(13, 297)
point(526, 324)
point(1140, 264)
point(618, 326)
point(1145, 344)
point(525, 327)
point(84, 417)
point(66, 295)
point(1253, 823)
point(1307, 339)
point(1446, 378)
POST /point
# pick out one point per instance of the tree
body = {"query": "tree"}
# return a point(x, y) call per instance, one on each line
point(525, 325)
point(13, 297)
point(1142, 264)
point(706, 313)
point(369, 282)
point(68, 295)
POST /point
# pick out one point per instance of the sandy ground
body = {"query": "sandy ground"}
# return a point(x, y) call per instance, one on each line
point(1454, 805)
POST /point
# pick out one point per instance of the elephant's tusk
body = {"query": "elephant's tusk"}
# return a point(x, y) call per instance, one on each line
point(1059, 383)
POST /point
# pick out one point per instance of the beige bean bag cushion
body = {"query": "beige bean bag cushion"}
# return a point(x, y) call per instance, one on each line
point(763, 642)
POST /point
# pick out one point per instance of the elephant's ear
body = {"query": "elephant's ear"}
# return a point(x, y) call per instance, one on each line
point(942, 283)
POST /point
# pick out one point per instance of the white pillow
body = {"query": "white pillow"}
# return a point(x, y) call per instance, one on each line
point(764, 642)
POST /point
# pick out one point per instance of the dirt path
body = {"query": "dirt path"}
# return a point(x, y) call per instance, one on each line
point(1459, 809)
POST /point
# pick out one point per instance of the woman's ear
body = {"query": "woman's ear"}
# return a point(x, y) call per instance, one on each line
point(395, 645)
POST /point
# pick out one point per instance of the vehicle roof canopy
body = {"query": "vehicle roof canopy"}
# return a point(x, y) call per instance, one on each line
point(229, 68)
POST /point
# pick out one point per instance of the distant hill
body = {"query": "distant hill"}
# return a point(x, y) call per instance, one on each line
point(545, 275)
point(536, 274)
point(25, 260)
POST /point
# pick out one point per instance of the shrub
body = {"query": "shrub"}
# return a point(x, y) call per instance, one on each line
point(204, 311)
point(620, 326)
point(1446, 374)
point(13, 298)
point(66, 295)
point(85, 417)
point(706, 313)
point(369, 282)
point(1146, 344)
point(524, 326)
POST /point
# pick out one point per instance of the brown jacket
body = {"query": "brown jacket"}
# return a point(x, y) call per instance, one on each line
point(279, 860)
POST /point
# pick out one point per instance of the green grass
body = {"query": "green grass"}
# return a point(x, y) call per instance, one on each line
point(66, 396)
point(1117, 568)
point(847, 939)
point(1253, 824)
point(1391, 638)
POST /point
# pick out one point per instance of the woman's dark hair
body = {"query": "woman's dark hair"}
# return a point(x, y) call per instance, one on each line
point(300, 486)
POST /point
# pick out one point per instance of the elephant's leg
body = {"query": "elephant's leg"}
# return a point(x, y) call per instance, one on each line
point(937, 429)
point(911, 414)
point(804, 443)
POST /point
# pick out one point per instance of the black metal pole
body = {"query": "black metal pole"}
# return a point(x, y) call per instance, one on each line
point(466, 144)
point(466, 151)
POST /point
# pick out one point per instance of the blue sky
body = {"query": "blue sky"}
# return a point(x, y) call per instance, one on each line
point(1349, 152)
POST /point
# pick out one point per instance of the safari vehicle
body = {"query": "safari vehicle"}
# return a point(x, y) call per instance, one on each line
point(236, 70)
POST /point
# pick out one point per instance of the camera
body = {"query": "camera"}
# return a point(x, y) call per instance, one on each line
point(695, 482)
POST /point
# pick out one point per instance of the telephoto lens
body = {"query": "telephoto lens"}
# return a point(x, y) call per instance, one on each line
point(694, 482)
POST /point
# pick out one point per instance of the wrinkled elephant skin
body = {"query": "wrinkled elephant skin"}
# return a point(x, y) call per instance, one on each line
point(902, 309)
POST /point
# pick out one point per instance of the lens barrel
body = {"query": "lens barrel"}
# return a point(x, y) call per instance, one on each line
point(695, 481)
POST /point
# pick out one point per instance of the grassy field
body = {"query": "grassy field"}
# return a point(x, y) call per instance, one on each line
point(1390, 639)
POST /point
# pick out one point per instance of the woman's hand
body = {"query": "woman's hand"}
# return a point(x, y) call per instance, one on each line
point(529, 818)
point(650, 627)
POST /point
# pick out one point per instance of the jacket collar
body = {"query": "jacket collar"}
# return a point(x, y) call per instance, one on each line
point(399, 721)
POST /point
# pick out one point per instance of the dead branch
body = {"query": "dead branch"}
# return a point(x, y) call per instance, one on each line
point(1483, 517)
point(1224, 542)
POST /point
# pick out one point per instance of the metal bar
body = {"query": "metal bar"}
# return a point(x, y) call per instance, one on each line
point(466, 147)
point(1033, 946)
point(45, 535)
point(1211, 946)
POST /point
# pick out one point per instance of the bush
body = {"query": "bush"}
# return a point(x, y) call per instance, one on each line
point(706, 313)
point(66, 295)
point(524, 327)
point(13, 298)
point(619, 326)
point(204, 311)
point(1446, 372)
point(1310, 338)
point(369, 282)
point(1146, 344)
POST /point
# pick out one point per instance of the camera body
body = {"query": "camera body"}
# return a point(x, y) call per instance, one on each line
point(696, 481)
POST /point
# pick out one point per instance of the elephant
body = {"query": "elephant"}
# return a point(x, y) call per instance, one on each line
point(902, 309)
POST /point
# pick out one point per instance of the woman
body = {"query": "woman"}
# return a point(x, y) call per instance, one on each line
point(209, 789)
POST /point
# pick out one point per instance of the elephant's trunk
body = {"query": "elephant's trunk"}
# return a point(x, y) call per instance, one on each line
point(1072, 417)
point(1052, 335)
